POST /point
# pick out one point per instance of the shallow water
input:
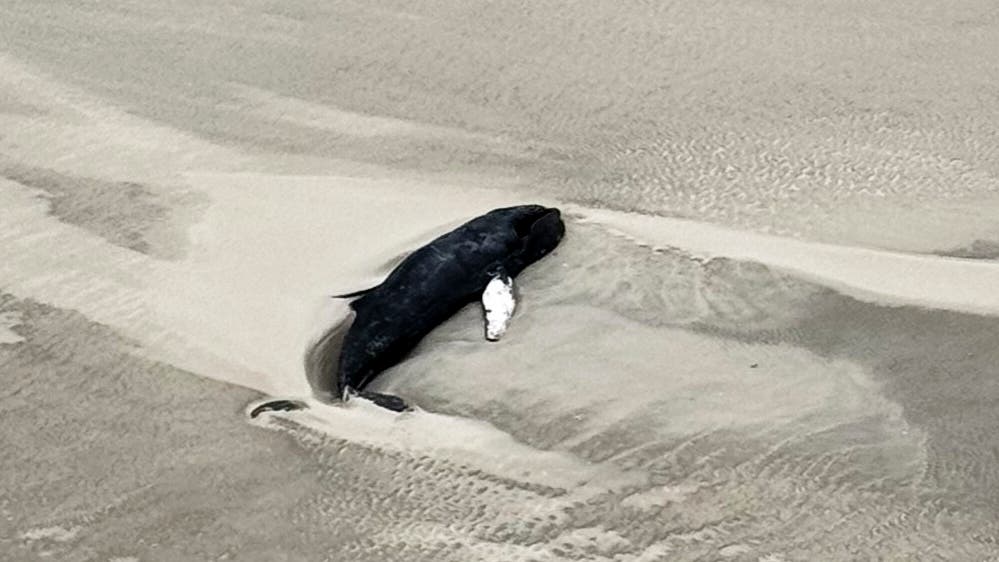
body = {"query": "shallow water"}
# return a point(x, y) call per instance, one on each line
point(787, 355)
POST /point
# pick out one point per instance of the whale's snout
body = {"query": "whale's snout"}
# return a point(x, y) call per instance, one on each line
point(546, 232)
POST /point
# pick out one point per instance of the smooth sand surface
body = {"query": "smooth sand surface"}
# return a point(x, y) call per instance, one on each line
point(871, 275)
point(768, 336)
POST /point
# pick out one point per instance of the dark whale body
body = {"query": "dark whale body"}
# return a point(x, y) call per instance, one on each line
point(431, 285)
point(435, 282)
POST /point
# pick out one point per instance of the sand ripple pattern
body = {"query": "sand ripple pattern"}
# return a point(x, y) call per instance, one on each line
point(785, 119)
point(668, 286)
point(719, 495)
point(712, 496)
point(745, 415)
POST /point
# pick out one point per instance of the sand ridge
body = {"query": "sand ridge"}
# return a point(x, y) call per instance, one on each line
point(764, 376)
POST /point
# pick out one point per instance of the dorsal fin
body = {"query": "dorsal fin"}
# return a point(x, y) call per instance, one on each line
point(360, 293)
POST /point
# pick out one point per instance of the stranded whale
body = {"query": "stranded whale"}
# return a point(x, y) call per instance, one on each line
point(479, 259)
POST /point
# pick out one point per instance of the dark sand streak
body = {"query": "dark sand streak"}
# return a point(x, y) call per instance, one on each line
point(145, 460)
point(128, 214)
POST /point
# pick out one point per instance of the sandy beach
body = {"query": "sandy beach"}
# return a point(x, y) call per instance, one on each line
point(769, 334)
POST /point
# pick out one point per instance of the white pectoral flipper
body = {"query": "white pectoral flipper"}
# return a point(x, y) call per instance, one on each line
point(498, 302)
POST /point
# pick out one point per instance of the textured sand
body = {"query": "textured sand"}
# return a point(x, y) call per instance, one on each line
point(768, 336)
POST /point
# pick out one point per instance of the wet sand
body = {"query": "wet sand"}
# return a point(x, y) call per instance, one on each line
point(768, 335)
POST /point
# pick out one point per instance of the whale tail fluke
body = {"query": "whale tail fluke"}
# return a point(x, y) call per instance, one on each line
point(387, 401)
point(277, 406)
point(354, 294)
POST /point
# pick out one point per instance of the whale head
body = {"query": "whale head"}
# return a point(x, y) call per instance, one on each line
point(537, 229)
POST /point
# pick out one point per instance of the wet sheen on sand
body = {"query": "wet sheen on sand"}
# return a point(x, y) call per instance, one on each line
point(787, 355)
